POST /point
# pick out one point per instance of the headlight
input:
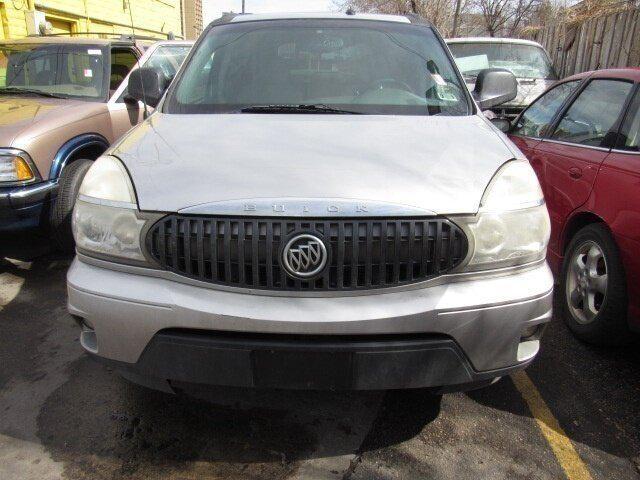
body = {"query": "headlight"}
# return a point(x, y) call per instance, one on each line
point(512, 226)
point(106, 218)
point(16, 168)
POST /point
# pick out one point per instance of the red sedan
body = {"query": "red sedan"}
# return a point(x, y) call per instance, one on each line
point(582, 137)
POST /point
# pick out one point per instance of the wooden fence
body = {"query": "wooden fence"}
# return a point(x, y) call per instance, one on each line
point(608, 41)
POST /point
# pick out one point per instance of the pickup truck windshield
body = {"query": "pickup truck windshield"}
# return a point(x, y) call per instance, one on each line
point(319, 66)
point(524, 61)
point(68, 71)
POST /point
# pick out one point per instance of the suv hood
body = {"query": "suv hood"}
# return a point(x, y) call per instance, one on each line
point(17, 113)
point(205, 163)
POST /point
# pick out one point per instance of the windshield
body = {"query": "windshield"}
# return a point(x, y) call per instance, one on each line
point(356, 66)
point(524, 61)
point(75, 71)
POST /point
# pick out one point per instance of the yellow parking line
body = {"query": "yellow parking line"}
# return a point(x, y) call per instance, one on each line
point(573, 466)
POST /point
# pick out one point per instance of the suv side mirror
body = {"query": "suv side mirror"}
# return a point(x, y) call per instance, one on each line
point(148, 84)
point(503, 124)
point(494, 86)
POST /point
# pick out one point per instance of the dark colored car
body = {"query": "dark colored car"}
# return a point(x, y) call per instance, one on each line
point(582, 137)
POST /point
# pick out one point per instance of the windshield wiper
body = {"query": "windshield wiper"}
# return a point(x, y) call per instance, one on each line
point(32, 91)
point(302, 108)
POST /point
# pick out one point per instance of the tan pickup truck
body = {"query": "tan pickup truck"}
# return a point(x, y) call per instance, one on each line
point(63, 101)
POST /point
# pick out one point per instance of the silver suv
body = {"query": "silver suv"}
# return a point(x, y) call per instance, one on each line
point(317, 202)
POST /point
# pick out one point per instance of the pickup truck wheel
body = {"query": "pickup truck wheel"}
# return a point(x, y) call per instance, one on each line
point(62, 210)
point(593, 288)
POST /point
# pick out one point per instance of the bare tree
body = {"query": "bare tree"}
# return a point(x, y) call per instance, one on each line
point(439, 12)
point(452, 17)
point(506, 16)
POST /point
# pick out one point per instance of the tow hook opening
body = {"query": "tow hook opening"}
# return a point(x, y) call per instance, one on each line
point(88, 338)
point(530, 341)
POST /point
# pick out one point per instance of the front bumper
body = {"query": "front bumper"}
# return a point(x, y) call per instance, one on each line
point(445, 334)
point(22, 207)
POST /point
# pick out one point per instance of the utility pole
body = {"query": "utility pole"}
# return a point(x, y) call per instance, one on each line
point(242, 6)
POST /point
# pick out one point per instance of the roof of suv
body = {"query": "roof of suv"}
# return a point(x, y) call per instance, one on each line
point(252, 17)
point(48, 39)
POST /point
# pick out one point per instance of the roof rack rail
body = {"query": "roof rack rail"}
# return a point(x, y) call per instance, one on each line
point(225, 18)
point(120, 36)
point(417, 19)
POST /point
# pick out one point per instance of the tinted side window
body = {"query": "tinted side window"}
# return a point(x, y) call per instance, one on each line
point(540, 114)
point(122, 60)
point(167, 59)
point(629, 138)
point(593, 113)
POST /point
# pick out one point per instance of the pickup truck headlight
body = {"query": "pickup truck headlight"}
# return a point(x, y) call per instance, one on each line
point(512, 226)
point(16, 168)
point(106, 220)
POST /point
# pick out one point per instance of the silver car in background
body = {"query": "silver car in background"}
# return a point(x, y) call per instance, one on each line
point(526, 59)
point(317, 202)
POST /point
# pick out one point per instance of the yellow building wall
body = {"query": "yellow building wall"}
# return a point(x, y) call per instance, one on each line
point(154, 18)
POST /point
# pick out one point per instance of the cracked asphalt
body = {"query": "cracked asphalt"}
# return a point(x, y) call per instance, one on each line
point(63, 416)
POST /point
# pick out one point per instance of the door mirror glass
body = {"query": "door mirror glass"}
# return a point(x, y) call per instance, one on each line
point(147, 85)
point(495, 86)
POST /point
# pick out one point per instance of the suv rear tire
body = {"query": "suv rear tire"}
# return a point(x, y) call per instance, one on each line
point(62, 210)
point(593, 288)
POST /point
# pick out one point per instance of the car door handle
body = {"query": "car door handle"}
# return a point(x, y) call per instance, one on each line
point(575, 172)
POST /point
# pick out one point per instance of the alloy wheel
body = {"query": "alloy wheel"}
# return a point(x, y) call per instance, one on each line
point(587, 279)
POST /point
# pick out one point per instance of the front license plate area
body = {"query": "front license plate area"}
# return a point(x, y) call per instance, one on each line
point(302, 370)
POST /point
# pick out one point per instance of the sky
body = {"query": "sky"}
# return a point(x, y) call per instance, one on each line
point(212, 9)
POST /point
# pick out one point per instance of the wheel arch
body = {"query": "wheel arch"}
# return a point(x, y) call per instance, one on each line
point(577, 221)
point(87, 145)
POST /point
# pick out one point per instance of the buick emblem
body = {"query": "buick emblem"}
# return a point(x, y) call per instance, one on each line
point(304, 256)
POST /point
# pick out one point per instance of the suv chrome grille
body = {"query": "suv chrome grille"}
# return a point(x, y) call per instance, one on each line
point(363, 253)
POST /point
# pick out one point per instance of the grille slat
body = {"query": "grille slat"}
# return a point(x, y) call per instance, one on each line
point(412, 239)
point(368, 255)
point(241, 239)
point(382, 267)
point(269, 255)
point(227, 251)
point(200, 247)
point(355, 243)
point(174, 242)
point(438, 247)
point(213, 245)
point(326, 276)
point(397, 245)
point(255, 248)
point(340, 262)
point(283, 274)
point(362, 254)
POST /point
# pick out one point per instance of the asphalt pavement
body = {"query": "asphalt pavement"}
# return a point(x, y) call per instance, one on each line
point(574, 414)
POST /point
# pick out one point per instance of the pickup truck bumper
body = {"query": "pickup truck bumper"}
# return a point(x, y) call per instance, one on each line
point(23, 207)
